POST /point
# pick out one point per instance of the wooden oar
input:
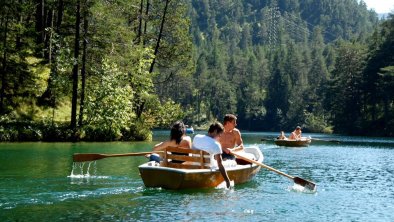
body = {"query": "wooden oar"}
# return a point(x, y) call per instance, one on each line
point(82, 157)
point(305, 183)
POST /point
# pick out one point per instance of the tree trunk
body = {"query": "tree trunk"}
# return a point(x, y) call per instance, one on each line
point(47, 38)
point(83, 70)
point(40, 21)
point(140, 22)
point(59, 15)
point(146, 20)
point(160, 36)
point(50, 39)
point(75, 70)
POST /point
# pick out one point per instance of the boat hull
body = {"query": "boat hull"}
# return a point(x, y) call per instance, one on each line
point(293, 143)
point(175, 178)
point(186, 179)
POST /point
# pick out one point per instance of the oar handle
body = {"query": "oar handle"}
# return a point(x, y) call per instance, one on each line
point(262, 164)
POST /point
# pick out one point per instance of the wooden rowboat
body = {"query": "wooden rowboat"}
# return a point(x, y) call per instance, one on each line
point(195, 172)
point(293, 143)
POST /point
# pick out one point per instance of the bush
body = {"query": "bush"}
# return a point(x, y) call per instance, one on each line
point(29, 134)
point(97, 133)
point(138, 131)
point(316, 124)
point(56, 132)
point(19, 131)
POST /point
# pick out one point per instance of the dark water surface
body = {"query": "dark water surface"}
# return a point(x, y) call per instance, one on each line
point(354, 177)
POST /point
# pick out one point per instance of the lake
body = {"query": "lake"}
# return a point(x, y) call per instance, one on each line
point(354, 183)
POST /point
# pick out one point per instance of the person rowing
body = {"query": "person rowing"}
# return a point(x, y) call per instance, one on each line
point(209, 143)
point(296, 134)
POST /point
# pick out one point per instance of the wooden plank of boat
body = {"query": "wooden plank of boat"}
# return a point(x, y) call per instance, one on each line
point(158, 175)
point(293, 143)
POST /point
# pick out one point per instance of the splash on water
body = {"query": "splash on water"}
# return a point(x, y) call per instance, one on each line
point(302, 189)
point(222, 185)
point(82, 170)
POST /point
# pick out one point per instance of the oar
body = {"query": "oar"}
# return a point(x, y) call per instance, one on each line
point(82, 157)
point(305, 183)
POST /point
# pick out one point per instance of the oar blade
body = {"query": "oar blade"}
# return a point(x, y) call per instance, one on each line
point(83, 157)
point(305, 183)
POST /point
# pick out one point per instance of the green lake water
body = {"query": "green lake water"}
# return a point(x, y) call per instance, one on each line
point(354, 179)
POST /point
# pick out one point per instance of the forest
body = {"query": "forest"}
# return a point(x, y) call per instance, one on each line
point(106, 70)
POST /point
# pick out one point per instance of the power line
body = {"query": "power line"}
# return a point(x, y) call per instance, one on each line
point(292, 25)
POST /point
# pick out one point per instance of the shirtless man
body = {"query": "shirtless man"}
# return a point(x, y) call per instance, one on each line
point(231, 139)
point(296, 134)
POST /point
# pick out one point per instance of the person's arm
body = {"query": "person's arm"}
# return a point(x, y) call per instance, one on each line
point(161, 146)
point(292, 136)
point(223, 171)
point(238, 141)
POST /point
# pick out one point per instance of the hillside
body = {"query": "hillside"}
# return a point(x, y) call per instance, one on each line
point(273, 63)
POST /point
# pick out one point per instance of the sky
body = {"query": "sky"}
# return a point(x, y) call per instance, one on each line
point(380, 6)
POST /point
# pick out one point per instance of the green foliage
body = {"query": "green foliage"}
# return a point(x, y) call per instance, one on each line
point(138, 131)
point(344, 97)
point(56, 131)
point(378, 81)
point(278, 61)
point(275, 64)
point(40, 74)
point(161, 114)
point(12, 129)
point(315, 123)
point(108, 105)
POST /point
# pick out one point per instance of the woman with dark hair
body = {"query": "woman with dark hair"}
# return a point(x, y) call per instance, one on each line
point(178, 131)
point(178, 139)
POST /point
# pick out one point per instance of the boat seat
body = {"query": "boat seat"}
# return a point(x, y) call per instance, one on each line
point(186, 158)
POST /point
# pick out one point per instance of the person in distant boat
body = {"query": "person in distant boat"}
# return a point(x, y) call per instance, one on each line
point(231, 139)
point(282, 136)
point(178, 139)
point(209, 143)
point(189, 129)
point(296, 134)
